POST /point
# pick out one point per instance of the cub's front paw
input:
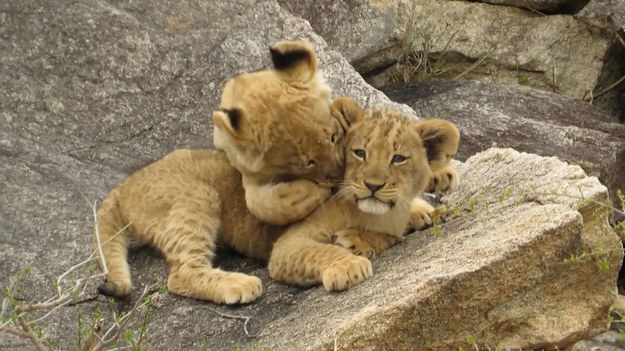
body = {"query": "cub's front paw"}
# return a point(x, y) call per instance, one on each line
point(443, 180)
point(420, 213)
point(346, 273)
point(302, 196)
point(351, 240)
point(238, 288)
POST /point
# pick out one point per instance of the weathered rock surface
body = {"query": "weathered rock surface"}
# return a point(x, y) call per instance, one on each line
point(524, 119)
point(612, 9)
point(91, 90)
point(545, 6)
point(512, 45)
point(613, 13)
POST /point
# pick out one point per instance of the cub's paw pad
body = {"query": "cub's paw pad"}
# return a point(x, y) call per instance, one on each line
point(115, 290)
point(346, 273)
point(238, 288)
point(351, 240)
point(420, 213)
point(443, 180)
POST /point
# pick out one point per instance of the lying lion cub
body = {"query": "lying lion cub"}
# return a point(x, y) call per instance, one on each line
point(187, 204)
point(390, 159)
point(281, 142)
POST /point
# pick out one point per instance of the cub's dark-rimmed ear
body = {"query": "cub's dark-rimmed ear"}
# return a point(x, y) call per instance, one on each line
point(440, 139)
point(347, 112)
point(233, 122)
point(294, 58)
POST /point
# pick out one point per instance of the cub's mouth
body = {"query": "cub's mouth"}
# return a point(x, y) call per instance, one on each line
point(374, 206)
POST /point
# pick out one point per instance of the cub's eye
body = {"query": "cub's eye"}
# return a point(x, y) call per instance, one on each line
point(310, 163)
point(397, 159)
point(360, 154)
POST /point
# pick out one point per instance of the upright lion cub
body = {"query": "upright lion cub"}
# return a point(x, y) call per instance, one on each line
point(390, 158)
point(277, 129)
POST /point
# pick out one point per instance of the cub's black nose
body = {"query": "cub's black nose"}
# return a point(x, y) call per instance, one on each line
point(374, 187)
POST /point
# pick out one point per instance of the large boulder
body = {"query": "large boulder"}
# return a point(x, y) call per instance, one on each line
point(92, 90)
point(479, 41)
point(524, 119)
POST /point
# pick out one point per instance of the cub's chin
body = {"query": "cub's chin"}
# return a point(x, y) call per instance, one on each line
point(373, 206)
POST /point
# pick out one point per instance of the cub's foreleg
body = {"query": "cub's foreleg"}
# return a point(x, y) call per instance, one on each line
point(188, 242)
point(305, 260)
point(284, 202)
point(364, 242)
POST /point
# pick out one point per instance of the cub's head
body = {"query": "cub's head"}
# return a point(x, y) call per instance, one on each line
point(390, 158)
point(279, 122)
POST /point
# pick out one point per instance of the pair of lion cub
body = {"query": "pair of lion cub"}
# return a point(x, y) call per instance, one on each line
point(268, 194)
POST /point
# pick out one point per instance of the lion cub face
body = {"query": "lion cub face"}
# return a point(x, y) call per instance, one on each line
point(279, 122)
point(389, 155)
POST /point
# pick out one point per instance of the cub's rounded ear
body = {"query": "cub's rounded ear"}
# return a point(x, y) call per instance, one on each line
point(347, 112)
point(231, 121)
point(440, 139)
point(294, 58)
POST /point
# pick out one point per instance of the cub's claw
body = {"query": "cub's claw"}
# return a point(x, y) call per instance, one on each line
point(351, 240)
point(346, 273)
point(443, 180)
point(420, 213)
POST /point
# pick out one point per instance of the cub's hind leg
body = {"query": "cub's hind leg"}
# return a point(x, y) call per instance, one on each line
point(188, 242)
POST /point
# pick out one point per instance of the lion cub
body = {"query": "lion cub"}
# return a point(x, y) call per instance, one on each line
point(277, 125)
point(186, 204)
point(390, 159)
point(281, 140)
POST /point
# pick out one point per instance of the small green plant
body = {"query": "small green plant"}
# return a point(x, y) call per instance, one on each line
point(524, 79)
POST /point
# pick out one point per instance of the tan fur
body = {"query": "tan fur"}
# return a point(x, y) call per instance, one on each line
point(193, 200)
point(285, 140)
point(387, 165)
point(185, 205)
point(439, 132)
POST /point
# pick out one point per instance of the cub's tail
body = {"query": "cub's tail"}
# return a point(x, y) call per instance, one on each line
point(114, 241)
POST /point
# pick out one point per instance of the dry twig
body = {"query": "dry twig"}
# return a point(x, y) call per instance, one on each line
point(20, 325)
point(244, 318)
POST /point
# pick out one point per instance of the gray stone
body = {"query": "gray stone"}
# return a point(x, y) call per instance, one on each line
point(92, 90)
point(612, 14)
point(612, 9)
point(512, 45)
point(526, 120)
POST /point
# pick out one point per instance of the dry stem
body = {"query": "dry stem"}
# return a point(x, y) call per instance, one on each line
point(244, 318)
point(23, 329)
